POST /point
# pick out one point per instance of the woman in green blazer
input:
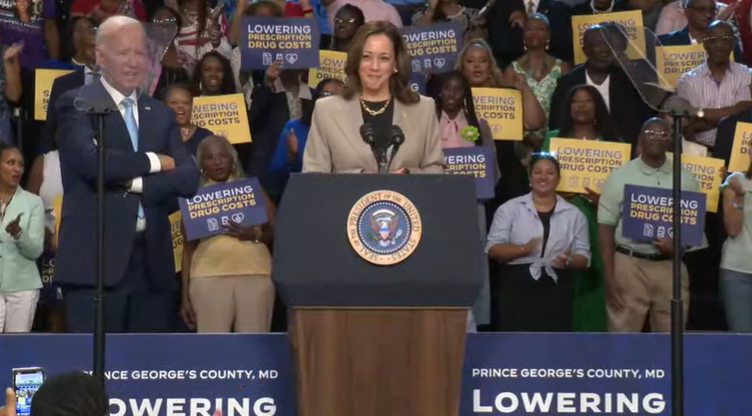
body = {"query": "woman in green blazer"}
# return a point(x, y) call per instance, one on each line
point(21, 243)
point(587, 118)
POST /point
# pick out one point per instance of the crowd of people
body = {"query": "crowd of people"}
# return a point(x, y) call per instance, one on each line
point(556, 261)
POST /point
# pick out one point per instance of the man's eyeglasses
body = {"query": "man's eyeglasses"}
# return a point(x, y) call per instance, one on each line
point(323, 94)
point(341, 20)
point(657, 135)
point(713, 39)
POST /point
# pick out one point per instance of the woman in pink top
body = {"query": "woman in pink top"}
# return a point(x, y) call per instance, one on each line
point(461, 127)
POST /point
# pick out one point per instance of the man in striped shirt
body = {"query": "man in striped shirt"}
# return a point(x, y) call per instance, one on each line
point(719, 87)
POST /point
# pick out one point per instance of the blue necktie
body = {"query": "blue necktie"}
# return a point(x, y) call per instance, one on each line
point(130, 123)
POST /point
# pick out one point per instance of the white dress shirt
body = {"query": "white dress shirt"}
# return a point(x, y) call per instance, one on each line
point(602, 88)
point(137, 184)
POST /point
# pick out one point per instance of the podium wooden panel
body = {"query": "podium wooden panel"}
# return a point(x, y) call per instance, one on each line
point(378, 361)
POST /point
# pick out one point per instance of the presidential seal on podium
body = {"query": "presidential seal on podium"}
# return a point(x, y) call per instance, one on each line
point(384, 227)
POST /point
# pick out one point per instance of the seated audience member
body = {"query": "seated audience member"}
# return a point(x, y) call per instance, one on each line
point(347, 21)
point(699, 13)
point(100, 10)
point(21, 244)
point(376, 93)
point(540, 239)
point(78, 52)
point(587, 118)
point(461, 127)
point(169, 70)
point(179, 98)
point(74, 393)
point(720, 87)
point(288, 156)
point(736, 267)
point(600, 70)
point(638, 274)
point(227, 282)
point(213, 76)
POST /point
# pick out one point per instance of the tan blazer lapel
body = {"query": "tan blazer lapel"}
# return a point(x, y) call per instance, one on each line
point(348, 120)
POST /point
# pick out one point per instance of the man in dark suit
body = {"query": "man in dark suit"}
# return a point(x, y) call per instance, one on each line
point(700, 13)
point(627, 108)
point(146, 168)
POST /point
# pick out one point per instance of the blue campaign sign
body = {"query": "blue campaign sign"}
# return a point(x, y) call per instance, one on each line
point(171, 375)
point(433, 48)
point(214, 206)
point(475, 160)
point(294, 41)
point(647, 214)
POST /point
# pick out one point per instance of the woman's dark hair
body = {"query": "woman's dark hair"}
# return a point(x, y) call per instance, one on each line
point(309, 105)
point(165, 92)
point(604, 126)
point(278, 11)
point(468, 107)
point(228, 83)
point(5, 146)
point(200, 18)
point(68, 48)
point(539, 157)
point(399, 83)
point(173, 12)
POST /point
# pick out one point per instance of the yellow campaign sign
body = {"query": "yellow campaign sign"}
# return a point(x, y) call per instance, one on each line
point(331, 65)
point(739, 151)
point(673, 61)
point(502, 110)
point(631, 21)
point(707, 171)
point(176, 224)
point(587, 163)
point(43, 80)
point(223, 115)
point(57, 214)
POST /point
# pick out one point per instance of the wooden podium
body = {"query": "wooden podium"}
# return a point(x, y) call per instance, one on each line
point(371, 340)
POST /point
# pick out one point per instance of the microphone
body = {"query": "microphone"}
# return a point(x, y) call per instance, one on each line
point(368, 133)
point(398, 137)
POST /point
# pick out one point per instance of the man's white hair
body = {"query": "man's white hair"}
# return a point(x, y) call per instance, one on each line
point(114, 24)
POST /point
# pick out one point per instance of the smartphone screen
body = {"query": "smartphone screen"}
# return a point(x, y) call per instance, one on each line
point(26, 381)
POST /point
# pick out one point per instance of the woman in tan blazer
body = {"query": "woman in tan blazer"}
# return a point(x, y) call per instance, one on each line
point(376, 93)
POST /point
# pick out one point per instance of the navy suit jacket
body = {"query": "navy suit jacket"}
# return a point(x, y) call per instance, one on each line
point(60, 86)
point(158, 133)
point(681, 38)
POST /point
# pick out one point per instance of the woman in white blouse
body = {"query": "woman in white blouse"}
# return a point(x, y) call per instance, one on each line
point(539, 239)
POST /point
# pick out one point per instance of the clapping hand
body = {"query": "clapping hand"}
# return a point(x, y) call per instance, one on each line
point(14, 228)
point(562, 260)
point(664, 245)
point(272, 73)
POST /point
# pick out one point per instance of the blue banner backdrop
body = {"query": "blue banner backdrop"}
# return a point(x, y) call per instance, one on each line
point(516, 374)
point(171, 375)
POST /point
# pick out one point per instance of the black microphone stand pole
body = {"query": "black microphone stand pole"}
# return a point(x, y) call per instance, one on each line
point(677, 314)
point(99, 110)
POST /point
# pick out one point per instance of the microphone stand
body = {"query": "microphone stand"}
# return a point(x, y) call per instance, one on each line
point(100, 110)
point(677, 315)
